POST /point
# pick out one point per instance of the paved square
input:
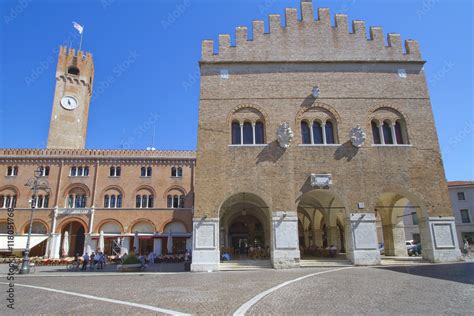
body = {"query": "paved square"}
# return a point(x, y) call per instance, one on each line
point(421, 289)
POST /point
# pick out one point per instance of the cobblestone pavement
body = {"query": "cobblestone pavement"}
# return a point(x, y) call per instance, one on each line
point(425, 289)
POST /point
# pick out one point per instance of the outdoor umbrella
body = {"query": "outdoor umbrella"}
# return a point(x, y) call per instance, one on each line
point(136, 243)
point(101, 241)
point(66, 243)
point(170, 243)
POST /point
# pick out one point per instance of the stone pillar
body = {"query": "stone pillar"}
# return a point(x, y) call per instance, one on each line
point(285, 252)
point(157, 246)
point(439, 242)
point(189, 244)
point(394, 240)
point(318, 241)
point(54, 245)
point(333, 237)
point(205, 245)
point(125, 246)
point(361, 239)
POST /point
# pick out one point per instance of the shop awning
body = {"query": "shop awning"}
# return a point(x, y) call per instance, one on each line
point(19, 243)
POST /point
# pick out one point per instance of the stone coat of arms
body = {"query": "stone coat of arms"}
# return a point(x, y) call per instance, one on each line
point(284, 135)
point(358, 136)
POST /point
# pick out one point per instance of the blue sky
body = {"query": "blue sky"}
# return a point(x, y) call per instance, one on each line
point(146, 65)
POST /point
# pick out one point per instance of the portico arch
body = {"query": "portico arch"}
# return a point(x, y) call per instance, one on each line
point(391, 210)
point(327, 223)
point(244, 227)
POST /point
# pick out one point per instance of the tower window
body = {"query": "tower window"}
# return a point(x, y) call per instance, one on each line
point(176, 172)
point(73, 71)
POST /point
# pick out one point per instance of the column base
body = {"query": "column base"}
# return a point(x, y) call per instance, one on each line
point(205, 255)
point(362, 239)
point(442, 244)
point(286, 259)
point(285, 250)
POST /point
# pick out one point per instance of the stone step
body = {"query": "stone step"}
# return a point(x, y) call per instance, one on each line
point(325, 263)
point(245, 265)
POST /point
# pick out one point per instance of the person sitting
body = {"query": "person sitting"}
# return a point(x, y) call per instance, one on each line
point(92, 261)
point(226, 256)
point(332, 251)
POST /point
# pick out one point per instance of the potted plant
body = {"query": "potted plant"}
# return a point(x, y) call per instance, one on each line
point(130, 264)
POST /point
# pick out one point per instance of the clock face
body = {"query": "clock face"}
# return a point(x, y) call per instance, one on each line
point(69, 103)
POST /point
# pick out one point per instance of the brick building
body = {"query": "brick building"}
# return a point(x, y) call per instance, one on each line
point(310, 132)
point(125, 195)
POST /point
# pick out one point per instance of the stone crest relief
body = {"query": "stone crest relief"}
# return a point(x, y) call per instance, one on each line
point(358, 136)
point(284, 135)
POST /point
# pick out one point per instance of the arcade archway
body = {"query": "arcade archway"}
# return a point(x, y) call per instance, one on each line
point(72, 239)
point(244, 228)
point(398, 231)
point(321, 225)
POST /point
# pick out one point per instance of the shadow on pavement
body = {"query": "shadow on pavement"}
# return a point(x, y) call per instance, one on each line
point(456, 272)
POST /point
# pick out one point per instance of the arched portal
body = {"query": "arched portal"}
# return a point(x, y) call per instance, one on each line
point(72, 242)
point(245, 228)
point(397, 219)
point(321, 217)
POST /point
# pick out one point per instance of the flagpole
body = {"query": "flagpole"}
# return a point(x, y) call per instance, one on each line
point(80, 43)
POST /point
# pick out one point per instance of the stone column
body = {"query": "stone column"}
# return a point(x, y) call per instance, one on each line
point(54, 245)
point(361, 239)
point(285, 252)
point(394, 240)
point(438, 239)
point(205, 245)
point(318, 241)
point(333, 237)
point(157, 246)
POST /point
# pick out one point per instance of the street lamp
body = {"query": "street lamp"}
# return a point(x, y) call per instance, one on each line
point(35, 184)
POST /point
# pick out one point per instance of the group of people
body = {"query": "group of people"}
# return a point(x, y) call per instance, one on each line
point(95, 260)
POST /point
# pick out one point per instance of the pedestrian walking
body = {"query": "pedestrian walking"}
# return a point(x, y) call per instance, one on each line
point(467, 248)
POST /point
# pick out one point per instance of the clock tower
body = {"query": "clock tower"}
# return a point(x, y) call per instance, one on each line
point(74, 79)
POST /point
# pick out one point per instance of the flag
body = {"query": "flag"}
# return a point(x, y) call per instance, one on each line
point(78, 27)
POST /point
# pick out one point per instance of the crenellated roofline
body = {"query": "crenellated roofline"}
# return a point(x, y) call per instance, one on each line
point(310, 40)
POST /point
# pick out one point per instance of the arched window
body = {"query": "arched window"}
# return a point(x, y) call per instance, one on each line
point(106, 201)
point(305, 133)
point(76, 198)
point(399, 133)
point(180, 172)
point(173, 172)
point(259, 133)
point(317, 133)
point(144, 200)
point(148, 170)
point(329, 133)
point(7, 200)
point(42, 201)
point(248, 133)
point(387, 133)
point(73, 71)
point(376, 133)
point(236, 137)
point(175, 201)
